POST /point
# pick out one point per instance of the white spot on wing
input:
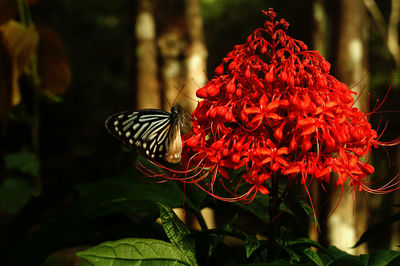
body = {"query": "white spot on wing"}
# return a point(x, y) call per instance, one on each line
point(155, 127)
point(141, 129)
point(150, 117)
point(152, 144)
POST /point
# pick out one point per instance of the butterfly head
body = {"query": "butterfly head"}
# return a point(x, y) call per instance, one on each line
point(181, 118)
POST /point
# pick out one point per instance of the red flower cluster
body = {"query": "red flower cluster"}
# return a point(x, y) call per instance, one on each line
point(274, 109)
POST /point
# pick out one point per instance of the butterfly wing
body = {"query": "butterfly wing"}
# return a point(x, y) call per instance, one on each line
point(147, 131)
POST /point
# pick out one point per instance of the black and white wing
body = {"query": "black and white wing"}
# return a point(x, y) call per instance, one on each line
point(149, 131)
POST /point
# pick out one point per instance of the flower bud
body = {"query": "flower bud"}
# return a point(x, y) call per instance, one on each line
point(293, 144)
point(202, 92)
point(219, 70)
point(326, 66)
point(278, 134)
point(212, 91)
point(306, 145)
point(235, 157)
point(229, 116)
point(248, 73)
point(269, 77)
point(231, 86)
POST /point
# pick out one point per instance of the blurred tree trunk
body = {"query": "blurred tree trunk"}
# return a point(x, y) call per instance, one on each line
point(182, 63)
point(349, 220)
point(171, 59)
point(395, 234)
point(172, 43)
point(390, 30)
point(183, 52)
point(196, 53)
point(393, 32)
point(320, 43)
point(170, 52)
point(146, 56)
point(320, 34)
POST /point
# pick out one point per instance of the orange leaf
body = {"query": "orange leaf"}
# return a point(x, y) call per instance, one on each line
point(53, 65)
point(21, 43)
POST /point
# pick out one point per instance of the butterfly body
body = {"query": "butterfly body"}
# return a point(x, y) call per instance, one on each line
point(154, 133)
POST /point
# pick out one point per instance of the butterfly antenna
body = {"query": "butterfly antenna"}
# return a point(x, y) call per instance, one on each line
point(177, 96)
point(166, 100)
point(180, 92)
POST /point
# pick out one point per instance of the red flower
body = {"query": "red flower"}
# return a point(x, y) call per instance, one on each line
point(274, 109)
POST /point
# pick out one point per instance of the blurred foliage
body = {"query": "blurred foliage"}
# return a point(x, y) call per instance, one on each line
point(24, 162)
point(15, 193)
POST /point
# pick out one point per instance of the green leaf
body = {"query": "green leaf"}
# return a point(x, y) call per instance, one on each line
point(310, 212)
point(220, 234)
point(275, 263)
point(258, 207)
point(214, 242)
point(195, 198)
point(377, 229)
point(227, 230)
point(334, 256)
point(177, 232)
point(252, 243)
point(303, 241)
point(383, 257)
point(24, 161)
point(293, 256)
point(14, 193)
point(112, 195)
point(135, 251)
point(97, 199)
point(313, 256)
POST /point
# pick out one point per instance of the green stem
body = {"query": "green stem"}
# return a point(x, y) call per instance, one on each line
point(201, 220)
point(21, 11)
point(273, 212)
point(275, 202)
point(32, 74)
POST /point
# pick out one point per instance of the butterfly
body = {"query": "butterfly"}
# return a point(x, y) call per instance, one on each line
point(154, 133)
